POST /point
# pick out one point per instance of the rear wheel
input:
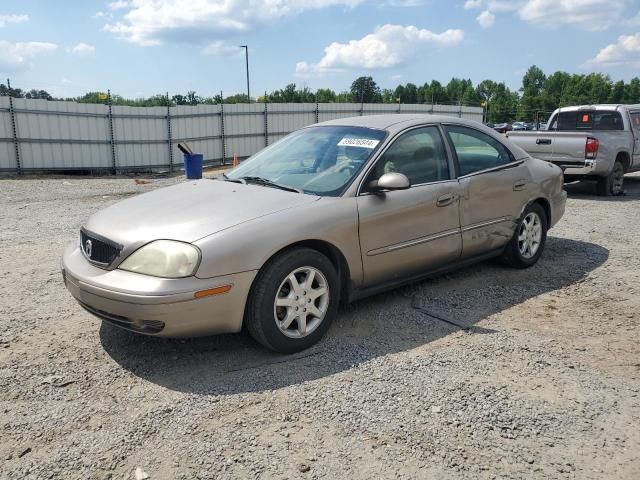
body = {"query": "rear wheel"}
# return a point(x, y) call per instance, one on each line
point(612, 184)
point(293, 301)
point(528, 241)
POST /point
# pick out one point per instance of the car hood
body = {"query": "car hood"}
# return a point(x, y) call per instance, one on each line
point(190, 211)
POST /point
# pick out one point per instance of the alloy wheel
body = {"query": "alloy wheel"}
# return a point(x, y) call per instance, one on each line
point(530, 235)
point(302, 302)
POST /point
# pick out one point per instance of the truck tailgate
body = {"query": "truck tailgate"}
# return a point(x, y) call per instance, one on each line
point(561, 148)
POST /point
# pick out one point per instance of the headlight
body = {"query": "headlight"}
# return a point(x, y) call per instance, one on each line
point(164, 258)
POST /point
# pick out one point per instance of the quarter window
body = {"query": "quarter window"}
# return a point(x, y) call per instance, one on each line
point(476, 150)
point(419, 154)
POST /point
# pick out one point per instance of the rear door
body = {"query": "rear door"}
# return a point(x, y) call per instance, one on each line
point(407, 232)
point(635, 126)
point(494, 189)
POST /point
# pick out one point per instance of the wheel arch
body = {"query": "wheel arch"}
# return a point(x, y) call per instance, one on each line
point(546, 206)
point(624, 158)
point(329, 250)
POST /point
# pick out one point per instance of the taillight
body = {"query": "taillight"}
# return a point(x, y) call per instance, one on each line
point(591, 148)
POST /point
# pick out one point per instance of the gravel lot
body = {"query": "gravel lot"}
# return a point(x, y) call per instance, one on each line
point(544, 384)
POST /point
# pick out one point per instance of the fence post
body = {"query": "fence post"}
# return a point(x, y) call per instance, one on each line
point(112, 142)
point(317, 113)
point(266, 122)
point(460, 110)
point(224, 146)
point(14, 130)
point(169, 138)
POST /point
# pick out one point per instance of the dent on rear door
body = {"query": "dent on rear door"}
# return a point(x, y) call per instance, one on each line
point(491, 203)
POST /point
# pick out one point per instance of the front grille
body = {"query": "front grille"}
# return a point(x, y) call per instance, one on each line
point(98, 250)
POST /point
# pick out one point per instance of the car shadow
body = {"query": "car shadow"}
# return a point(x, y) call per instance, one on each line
point(587, 190)
point(392, 322)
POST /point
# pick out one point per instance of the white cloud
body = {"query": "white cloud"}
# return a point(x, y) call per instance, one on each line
point(12, 18)
point(592, 15)
point(395, 78)
point(471, 4)
point(152, 22)
point(16, 56)
point(625, 51)
point(220, 48)
point(486, 19)
point(83, 50)
point(388, 46)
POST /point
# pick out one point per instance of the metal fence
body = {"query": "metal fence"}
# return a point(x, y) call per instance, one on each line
point(41, 135)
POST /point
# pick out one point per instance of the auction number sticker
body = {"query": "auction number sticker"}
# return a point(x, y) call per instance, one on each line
point(359, 142)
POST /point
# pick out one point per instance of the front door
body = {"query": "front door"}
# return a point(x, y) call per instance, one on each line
point(494, 189)
point(407, 232)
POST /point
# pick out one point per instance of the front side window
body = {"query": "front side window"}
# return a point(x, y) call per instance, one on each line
point(477, 151)
point(317, 160)
point(419, 154)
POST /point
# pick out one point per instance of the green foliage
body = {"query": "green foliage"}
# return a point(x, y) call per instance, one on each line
point(365, 90)
point(536, 99)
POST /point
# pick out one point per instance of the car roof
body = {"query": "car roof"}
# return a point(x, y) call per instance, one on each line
point(394, 122)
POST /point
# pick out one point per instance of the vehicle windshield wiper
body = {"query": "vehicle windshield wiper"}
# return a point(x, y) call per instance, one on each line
point(268, 183)
point(228, 179)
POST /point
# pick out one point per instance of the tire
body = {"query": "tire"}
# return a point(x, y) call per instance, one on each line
point(292, 325)
point(526, 246)
point(612, 184)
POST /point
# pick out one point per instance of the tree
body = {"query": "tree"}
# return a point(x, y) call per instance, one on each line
point(38, 94)
point(325, 95)
point(365, 90)
point(13, 92)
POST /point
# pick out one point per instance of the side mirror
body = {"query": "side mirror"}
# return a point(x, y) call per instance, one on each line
point(390, 181)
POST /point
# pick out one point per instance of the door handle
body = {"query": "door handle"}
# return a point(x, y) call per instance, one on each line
point(543, 141)
point(519, 185)
point(446, 199)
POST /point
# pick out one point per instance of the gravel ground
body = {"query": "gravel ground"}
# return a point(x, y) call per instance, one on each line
point(544, 383)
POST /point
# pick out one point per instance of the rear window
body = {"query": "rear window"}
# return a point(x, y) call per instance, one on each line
point(587, 120)
point(635, 121)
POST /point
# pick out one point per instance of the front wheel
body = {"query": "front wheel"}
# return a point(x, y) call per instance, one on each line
point(293, 301)
point(526, 246)
point(612, 184)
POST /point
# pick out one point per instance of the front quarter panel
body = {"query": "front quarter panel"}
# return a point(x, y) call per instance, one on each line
point(248, 246)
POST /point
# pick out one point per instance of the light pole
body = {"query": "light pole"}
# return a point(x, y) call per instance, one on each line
point(246, 57)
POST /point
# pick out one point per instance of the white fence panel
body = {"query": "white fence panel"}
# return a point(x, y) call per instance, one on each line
point(7, 149)
point(75, 136)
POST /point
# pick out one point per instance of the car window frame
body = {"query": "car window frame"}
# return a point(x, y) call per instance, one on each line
point(448, 154)
point(513, 163)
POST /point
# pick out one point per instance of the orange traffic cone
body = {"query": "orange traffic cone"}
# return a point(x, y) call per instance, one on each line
point(236, 162)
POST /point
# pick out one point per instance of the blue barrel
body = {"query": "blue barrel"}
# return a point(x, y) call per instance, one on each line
point(193, 166)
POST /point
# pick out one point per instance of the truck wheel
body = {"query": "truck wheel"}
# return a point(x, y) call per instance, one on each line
point(612, 184)
point(526, 246)
point(293, 301)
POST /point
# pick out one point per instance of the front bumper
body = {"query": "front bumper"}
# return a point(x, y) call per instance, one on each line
point(156, 306)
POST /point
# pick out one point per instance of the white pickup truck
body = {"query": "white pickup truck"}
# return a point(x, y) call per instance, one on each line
point(589, 142)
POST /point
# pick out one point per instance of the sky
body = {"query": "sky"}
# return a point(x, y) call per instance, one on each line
point(138, 48)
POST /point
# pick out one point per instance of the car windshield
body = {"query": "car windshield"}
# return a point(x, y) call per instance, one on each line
point(317, 160)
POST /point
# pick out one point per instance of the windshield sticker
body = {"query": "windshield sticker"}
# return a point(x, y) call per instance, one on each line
point(359, 142)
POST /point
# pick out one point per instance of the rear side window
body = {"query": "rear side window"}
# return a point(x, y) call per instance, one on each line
point(635, 121)
point(477, 151)
point(587, 120)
